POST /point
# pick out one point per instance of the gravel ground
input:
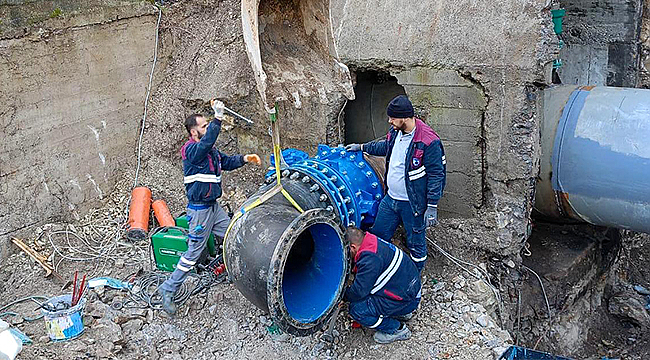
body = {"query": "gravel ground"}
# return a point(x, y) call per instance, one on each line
point(220, 322)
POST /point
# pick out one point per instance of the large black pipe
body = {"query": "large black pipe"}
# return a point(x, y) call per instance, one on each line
point(291, 264)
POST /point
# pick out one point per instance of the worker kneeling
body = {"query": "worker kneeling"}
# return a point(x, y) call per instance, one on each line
point(386, 289)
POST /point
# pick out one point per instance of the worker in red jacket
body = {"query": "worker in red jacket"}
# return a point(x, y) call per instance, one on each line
point(386, 288)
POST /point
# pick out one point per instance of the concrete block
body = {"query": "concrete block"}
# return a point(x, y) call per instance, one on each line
point(584, 65)
point(455, 97)
point(421, 76)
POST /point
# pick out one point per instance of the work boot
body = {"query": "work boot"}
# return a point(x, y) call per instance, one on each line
point(405, 318)
point(167, 301)
point(403, 333)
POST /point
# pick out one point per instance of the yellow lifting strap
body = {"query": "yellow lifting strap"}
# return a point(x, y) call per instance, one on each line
point(277, 156)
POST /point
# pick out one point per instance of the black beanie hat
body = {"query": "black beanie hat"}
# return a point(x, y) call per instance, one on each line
point(400, 107)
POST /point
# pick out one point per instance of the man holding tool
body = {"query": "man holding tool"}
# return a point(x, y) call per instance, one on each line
point(415, 177)
point(386, 289)
point(202, 166)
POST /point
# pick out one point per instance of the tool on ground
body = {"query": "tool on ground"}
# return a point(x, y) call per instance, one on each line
point(219, 107)
point(77, 292)
point(328, 335)
point(139, 209)
point(42, 260)
point(108, 282)
point(162, 213)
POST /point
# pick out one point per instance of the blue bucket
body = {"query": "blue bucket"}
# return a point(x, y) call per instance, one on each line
point(65, 324)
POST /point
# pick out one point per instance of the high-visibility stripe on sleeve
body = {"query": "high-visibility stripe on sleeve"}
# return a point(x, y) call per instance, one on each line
point(415, 177)
point(417, 171)
point(419, 259)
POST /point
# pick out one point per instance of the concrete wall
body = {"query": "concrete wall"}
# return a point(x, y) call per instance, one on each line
point(601, 42)
point(72, 88)
point(477, 89)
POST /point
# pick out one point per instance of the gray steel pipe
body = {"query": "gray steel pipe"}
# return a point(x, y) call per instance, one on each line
point(595, 156)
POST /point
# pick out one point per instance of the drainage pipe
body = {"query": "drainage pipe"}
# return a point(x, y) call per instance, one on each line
point(596, 156)
point(294, 265)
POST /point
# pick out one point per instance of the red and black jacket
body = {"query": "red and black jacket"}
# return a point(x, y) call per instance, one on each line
point(202, 165)
point(425, 170)
point(383, 270)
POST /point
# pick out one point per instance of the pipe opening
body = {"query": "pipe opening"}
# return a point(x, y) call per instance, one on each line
point(313, 272)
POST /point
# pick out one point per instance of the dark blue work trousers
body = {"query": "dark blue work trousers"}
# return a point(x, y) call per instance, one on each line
point(393, 212)
point(377, 312)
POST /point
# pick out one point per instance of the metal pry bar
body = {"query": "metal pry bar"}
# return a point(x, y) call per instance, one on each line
point(239, 116)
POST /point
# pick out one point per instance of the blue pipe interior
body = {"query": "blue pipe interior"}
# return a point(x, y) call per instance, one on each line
point(313, 272)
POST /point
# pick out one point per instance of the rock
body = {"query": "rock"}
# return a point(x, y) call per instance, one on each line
point(509, 263)
point(174, 332)
point(460, 295)
point(439, 286)
point(108, 331)
point(119, 263)
point(17, 320)
point(481, 294)
point(483, 320)
point(431, 338)
point(44, 339)
point(96, 309)
point(629, 308)
point(132, 326)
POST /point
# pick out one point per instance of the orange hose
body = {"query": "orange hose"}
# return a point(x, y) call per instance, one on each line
point(161, 211)
point(139, 213)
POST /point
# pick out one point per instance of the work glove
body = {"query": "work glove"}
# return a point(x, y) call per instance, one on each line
point(253, 158)
point(431, 215)
point(353, 147)
point(218, 108)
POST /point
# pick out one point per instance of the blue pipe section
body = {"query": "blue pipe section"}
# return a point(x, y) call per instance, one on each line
point(601, 157)
point(351, 184)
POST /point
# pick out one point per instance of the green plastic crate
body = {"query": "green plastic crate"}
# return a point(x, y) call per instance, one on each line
point(170, 244)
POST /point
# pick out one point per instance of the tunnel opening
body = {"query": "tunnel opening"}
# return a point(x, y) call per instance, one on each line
point(365, 116)
point(313, 272)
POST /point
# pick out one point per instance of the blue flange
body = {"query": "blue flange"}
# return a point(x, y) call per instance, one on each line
point(351, 184)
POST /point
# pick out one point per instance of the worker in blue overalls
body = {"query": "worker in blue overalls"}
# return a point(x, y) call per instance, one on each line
point(386, 289)
point(202, 166)
point(415, 177)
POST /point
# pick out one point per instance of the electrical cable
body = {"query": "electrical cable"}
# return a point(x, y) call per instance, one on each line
point(146, 99)
point(484, 278)
point(144, 292)
point(33, 298)
point(548, 307)
point(146, 105)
